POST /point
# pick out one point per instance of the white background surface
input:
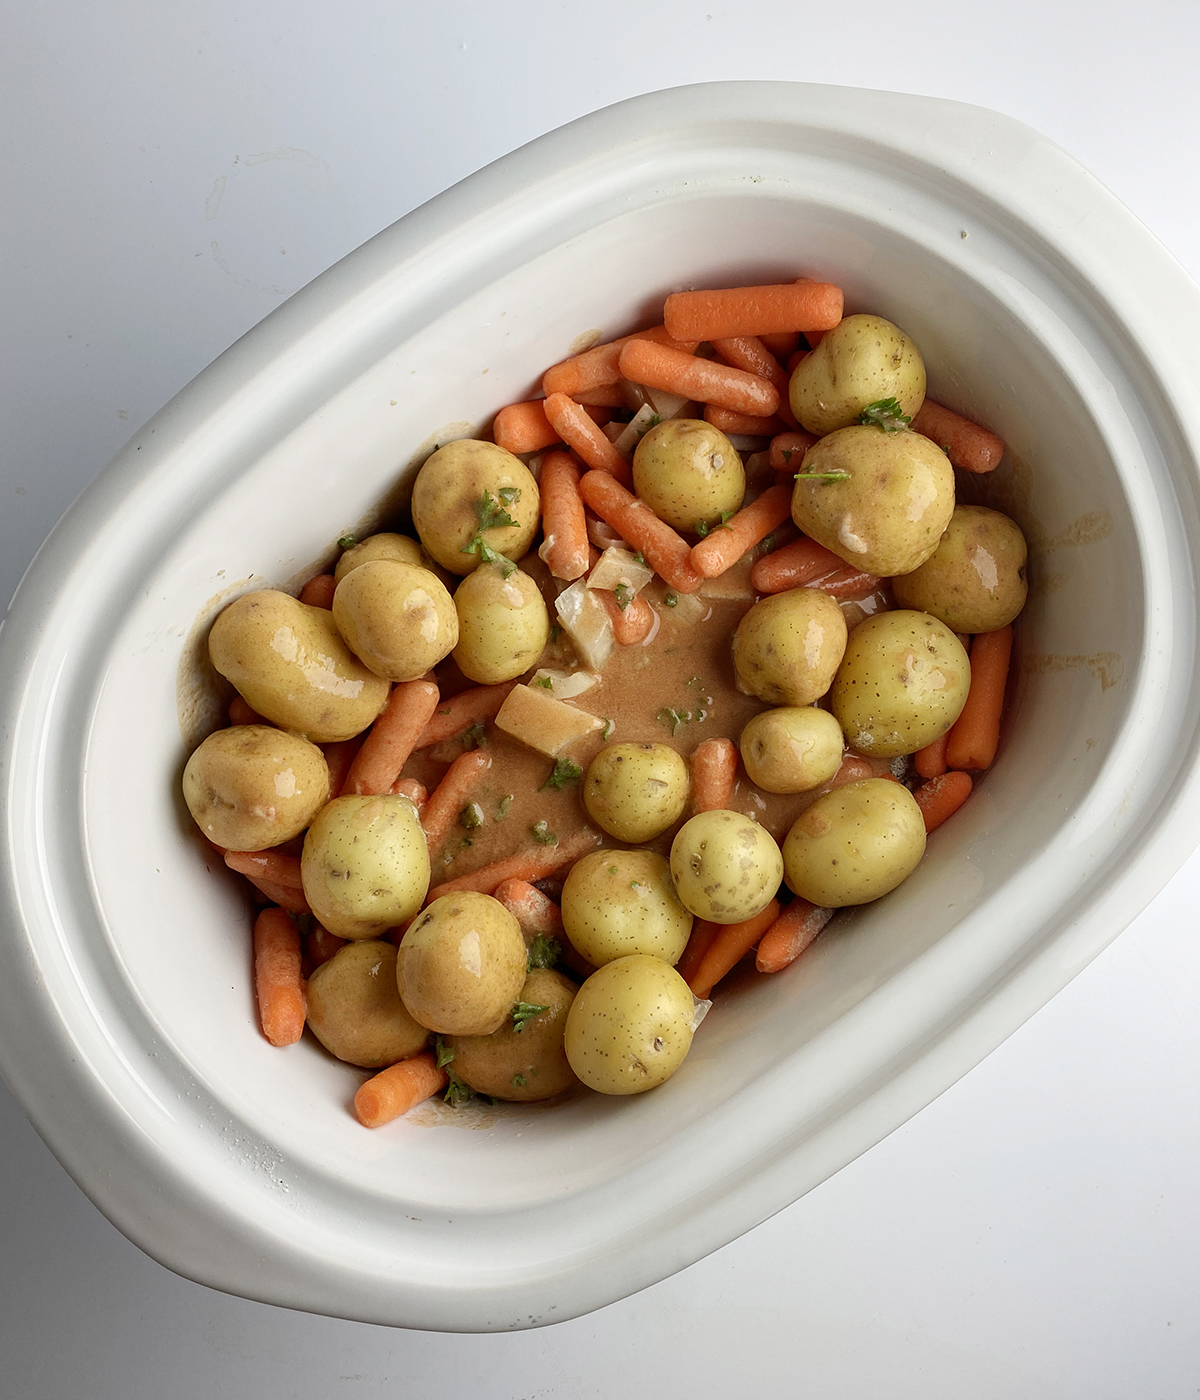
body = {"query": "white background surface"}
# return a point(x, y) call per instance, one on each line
point(170, 173)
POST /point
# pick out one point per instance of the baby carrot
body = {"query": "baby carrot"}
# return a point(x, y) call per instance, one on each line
point(781, 344)
point(729, 947)
point(595, 368)
point(790, 934)
point(714, 769)
point(967, 445)
point(339, 757)
point(749, 353)
point(320, 945)
point(241, 713)
point(523, 427)
point(275, 866)
point(794, 359)
point(941, 797)
point(853, 770)
point(318, 591)
point(524, 865)
point(447, 800)
point(702, 935)
point(930, 762)
point(737, 311)
point(536, 912)
point(564, 523)
point(413, 790)
point(667, 552)
point(286, 896)
point(814, 338)
point(577, 430)
point(393, 736)
point(475, 706)
point(600, 402)
point(660, 367)
point(787, 450)
point(846, 582)
point(976, 732)
point(746, 424)
point(792, 566)
point(631, 624)
point(721, 549)
point(393, 1091)
point(282, 1005)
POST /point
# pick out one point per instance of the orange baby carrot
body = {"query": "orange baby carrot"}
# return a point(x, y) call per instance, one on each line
point(523, 427)
point(632, 623)
point(737, 311)
point(452, 794)
point(976, 732)
point(746, 424)
point(967, 445)
point(940, 798)
point(788, 449)
point(392, 738)
point(714, 769)
point(564, 522)
point(282, 1005)
point(853, 770)
point(794, 359)
point(241, 713)
point(275, 866)
point(790, 934)
point(286, 896)
point(793, 566)
point(536, 912)
point(320, 945)
point(814, 338)
point(475, 706)
point(598, 367)
point(528, 865)
point(729, 947)
point(702, 935)
point(318, 591)
point(722, 548)
point(660, 367)
point(930, 762)
point(749, 353)
point(578, 431)
point(781, 344)
point(339, 757)
point(600, 402)
point(393, 1091)
point(667, 552)
point(413, 790)
point(846, 582)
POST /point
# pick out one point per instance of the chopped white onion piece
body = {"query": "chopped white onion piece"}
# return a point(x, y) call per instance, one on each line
point(700, 1010)
point(689, 608)
point(586, 621)
point(612, 431)
point(618, 567)
point(636, 429)
point(666, 405)
point(602, 534)
point(564, 685)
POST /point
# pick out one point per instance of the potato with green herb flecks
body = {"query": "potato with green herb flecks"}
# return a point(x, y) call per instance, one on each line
point(725, 866)
point(354, 1007)
point(524, 1060)
point(615, 903)
point(862, 362)
point(385, 545)
point(636, 791)
point(473, 500)
point(689, 474)
point(503, 625)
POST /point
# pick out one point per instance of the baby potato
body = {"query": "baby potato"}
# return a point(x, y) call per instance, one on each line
point(251, 786)
point(888, 514)
point(524, 1060)
point(398, 619)
point(726, 867)
point(365, 865)
point(503, 625)
point(398, 548)
point(858, 363)
point(354, 1007)
point(462, 965)
point(630, 1025)
point(636, 791)
point(902, 684)
point(688, 473)
point(792, 749)
point(288, 662)
point(787, 647)
point(854, 844)
point(459, 488)
point(975, 580)
point(615, 903)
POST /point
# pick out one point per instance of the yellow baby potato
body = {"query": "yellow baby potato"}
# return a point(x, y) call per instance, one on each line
point(251, 787)
point(791, 749)
point(688, 473)
point(862, 361)
point(354, 1007)
point(503, 625)
point(524, 1060)
point(854, 844)
point(398, 619)
point(902, 684)
point(726, 867)
point(365, 865)
point(288, 661)
point(630, 1026)
point(975, 580)
point(462, 965)
point(459, 489)
point(615, 903)
point(398, 548)
point(787, 647)
point(636, 791)
point(889, 500)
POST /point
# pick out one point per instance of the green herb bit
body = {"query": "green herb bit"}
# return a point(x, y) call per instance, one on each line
point(624, 595)
point(725, 518)
point(347, 541)
point(672, 600)
point(503, 805)
point(640, 558)
point(525, 1011)
point(457, 1093)
point(635, 884)
point(564, 772)
point(544, 951)
point(673, 718)
point(823, 476)
point(490, 514)
point(509, 494)
point(471, 816)
point(475, 737)
point(609, 726)
point(768, 544)
point(518, 1081)
point(443, 1053)
point(886, 414)
point(701, 528)
point(555, 632)
point(543, 682)
point(543, 835)
point(787, 454)
point(466, 841)
point(655, 420)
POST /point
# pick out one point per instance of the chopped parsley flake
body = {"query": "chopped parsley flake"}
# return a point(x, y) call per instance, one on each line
point(347, 542)
point(543, 952)
point(518, 1081)
point(471, 816)
point(564, 772)
point(701, 528)
point(673, 718)
point(624, 595)
point(491, 515)
point(503, 805)
point(672, 600)
point(543, 682)
point(823, 476)
point(609, 726)
point(525, 1011)
point(475, 737)
point(543, 835)
point(444, 1054)
point(886, 414)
